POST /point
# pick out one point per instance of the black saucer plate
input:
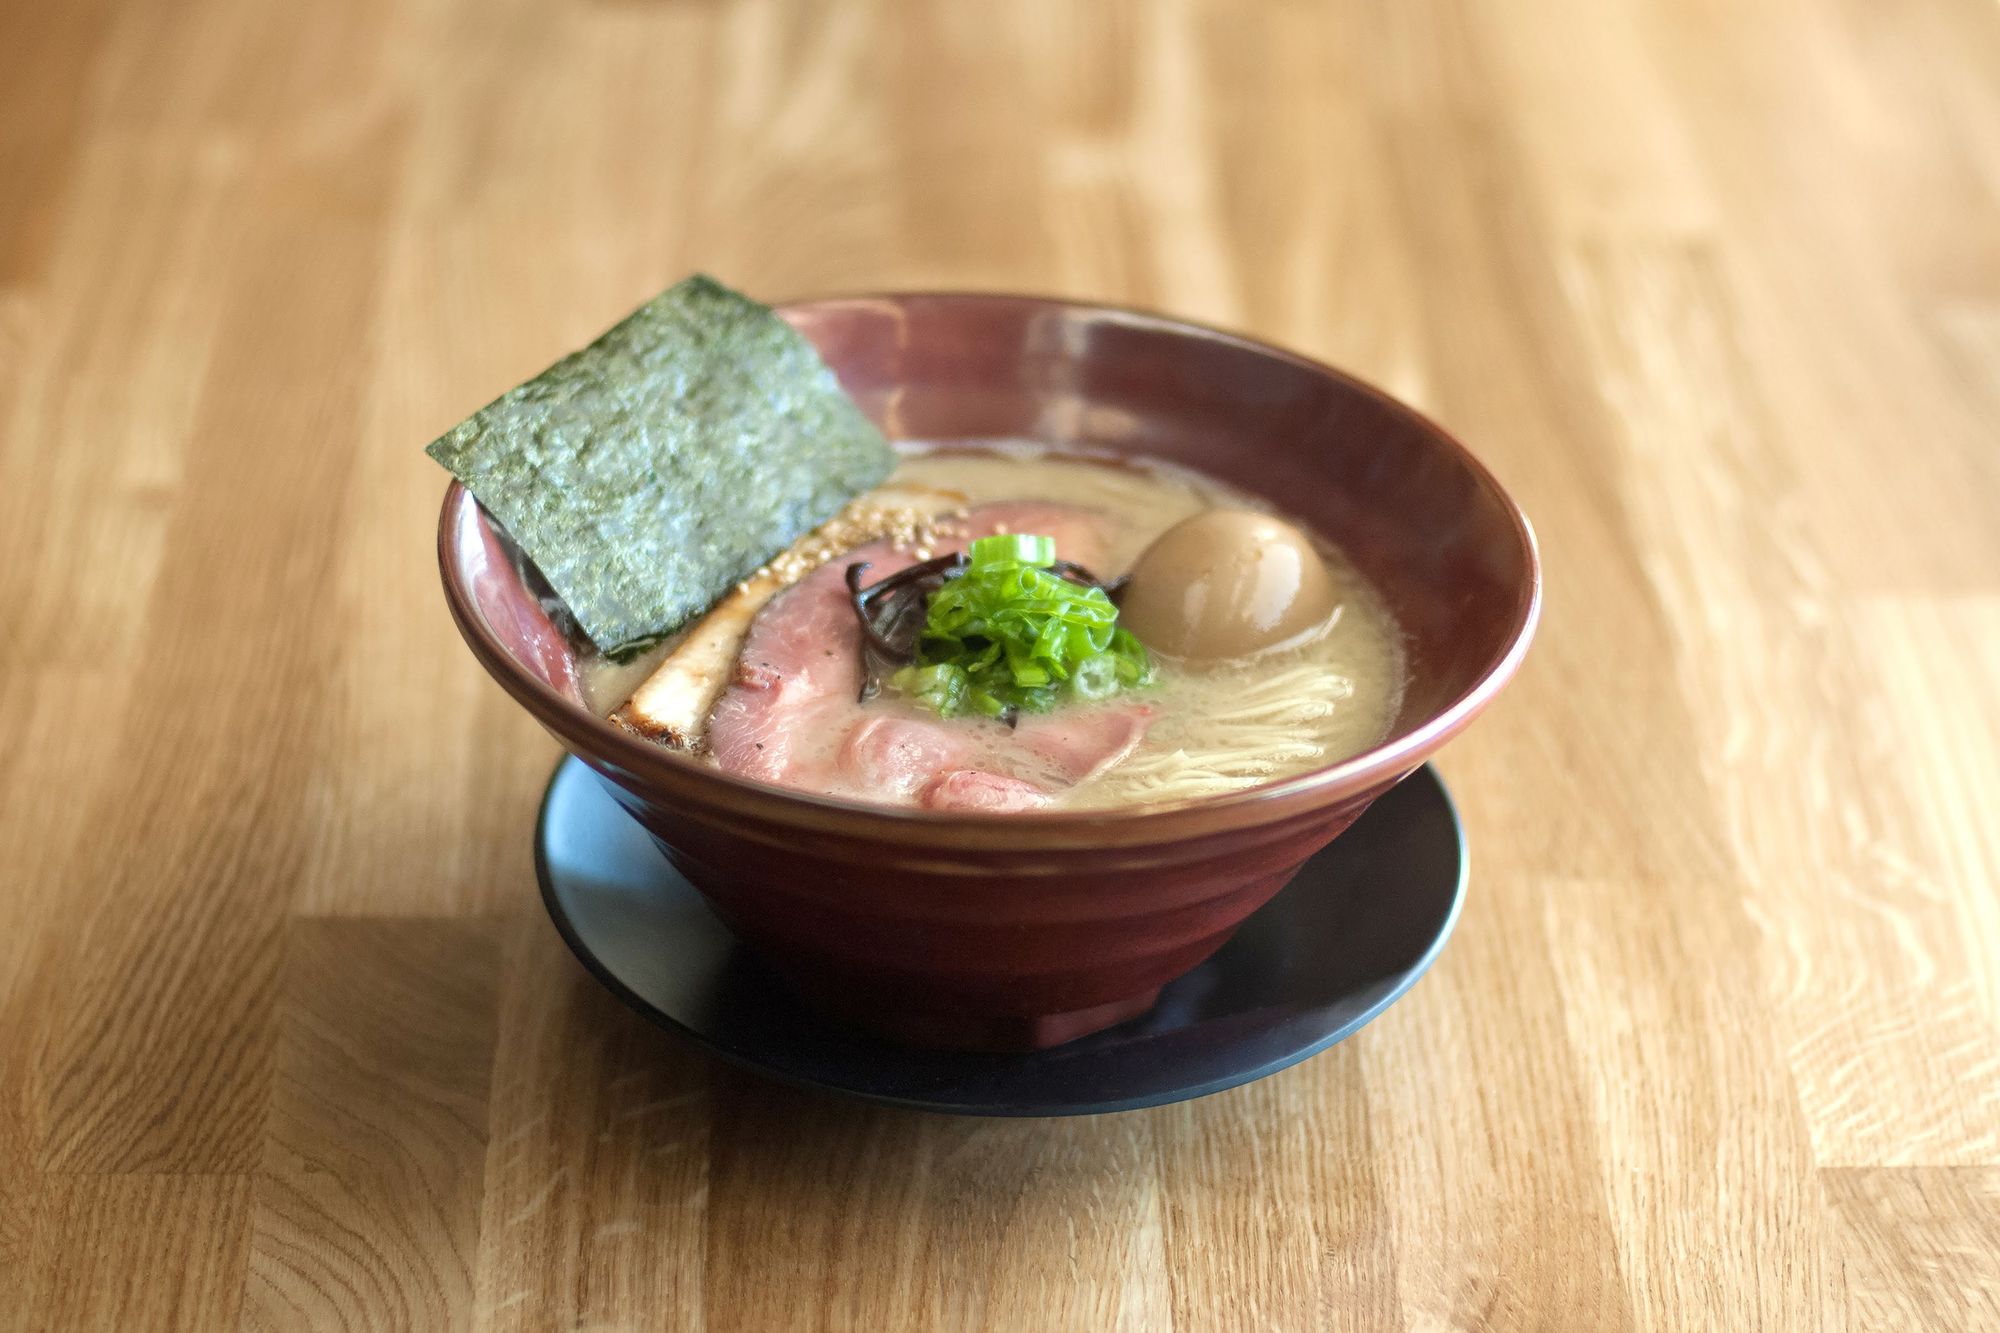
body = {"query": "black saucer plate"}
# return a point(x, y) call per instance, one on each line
point(1359, 925)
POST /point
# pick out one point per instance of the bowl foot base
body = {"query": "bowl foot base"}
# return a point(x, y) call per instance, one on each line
point(1356, 929)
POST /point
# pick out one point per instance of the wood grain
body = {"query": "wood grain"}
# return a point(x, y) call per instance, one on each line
point(366, 1202)
point(284, 1039)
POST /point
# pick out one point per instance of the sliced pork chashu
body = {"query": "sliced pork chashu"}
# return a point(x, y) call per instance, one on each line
point(673, 704)
point(791, 714)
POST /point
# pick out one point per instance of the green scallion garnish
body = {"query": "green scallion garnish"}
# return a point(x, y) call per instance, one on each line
point(1008, 633)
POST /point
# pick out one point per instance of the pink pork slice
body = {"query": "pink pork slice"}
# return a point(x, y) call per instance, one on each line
point(792, 717)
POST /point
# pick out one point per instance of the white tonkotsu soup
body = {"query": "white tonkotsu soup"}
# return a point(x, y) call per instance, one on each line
point(1219, 727)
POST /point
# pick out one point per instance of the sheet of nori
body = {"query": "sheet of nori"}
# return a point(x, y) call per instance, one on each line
point(650, 472)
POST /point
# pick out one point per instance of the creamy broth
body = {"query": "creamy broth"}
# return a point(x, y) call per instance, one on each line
point(1216, 728)
point(1223, 727)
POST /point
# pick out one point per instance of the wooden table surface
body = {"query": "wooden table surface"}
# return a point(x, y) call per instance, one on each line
point(285, 1038)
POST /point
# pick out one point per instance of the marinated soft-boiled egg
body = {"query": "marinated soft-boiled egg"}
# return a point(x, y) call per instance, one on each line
point(1227, 583)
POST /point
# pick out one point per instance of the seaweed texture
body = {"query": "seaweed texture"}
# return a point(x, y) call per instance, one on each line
point(650, 472)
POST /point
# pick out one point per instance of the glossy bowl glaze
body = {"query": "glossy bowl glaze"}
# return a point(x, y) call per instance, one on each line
point(1018, 931)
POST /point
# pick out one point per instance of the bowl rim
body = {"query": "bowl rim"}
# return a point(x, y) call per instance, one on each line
point(597, 741)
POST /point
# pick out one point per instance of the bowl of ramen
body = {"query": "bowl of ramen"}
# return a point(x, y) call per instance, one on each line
point(983, 660)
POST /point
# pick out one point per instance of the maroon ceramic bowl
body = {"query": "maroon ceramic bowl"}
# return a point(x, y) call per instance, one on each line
point(1016, 931)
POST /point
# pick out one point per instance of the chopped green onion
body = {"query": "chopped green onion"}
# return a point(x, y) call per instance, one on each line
point(1014, 548)
point(940, 688)
point(988, 704)
point(1096, 677)
point(1008, 634)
